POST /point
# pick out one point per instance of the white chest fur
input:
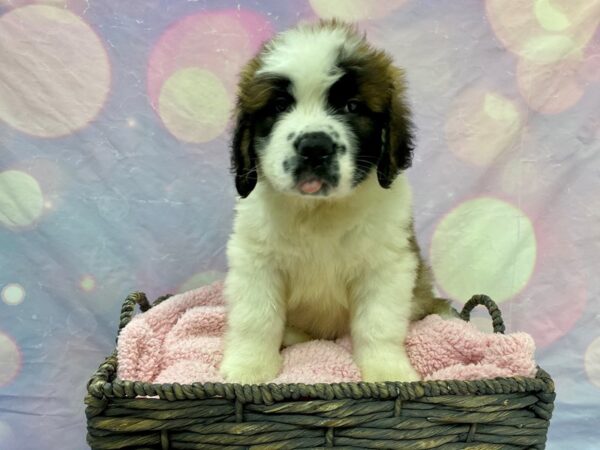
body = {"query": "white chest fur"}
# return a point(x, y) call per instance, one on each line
point(320, 250)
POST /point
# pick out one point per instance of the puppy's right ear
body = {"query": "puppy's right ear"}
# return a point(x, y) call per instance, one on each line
point(243, 155)
point(397, 135)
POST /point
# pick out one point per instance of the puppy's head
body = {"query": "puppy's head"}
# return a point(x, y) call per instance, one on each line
point(318, 110)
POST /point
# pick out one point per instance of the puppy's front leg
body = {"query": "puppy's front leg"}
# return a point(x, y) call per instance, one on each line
point(256, 320)
point(380, 319)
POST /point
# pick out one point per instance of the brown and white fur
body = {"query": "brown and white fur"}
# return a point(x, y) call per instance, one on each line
point(323, 242)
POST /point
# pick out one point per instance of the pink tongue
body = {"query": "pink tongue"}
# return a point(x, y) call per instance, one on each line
point(310, 187)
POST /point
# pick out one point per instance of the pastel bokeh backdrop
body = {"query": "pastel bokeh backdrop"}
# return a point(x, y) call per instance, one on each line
point(114, 129)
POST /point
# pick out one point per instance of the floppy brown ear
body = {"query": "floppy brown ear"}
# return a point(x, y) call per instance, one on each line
point(243, 155)
point(397, 133)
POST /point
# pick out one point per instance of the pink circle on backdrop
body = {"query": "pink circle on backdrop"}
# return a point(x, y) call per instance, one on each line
point(557, 295)
point(483, 124)
point(56, 72)
point(219, 41)
point(11, 358)
point(76, 6)
point(591, 65)
point(550, 88)
point(525, 28)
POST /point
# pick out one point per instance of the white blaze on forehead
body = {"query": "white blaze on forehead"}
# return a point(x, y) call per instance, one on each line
point(308, 57)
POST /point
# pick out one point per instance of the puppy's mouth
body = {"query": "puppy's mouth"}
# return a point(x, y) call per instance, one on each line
point(312, 185)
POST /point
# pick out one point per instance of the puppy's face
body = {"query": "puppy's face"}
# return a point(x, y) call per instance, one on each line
point(318, 111)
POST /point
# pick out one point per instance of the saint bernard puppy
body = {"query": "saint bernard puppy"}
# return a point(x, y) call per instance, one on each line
point(323, 242)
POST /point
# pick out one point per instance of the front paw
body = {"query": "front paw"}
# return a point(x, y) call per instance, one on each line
point(390, 368)
point(256, 369)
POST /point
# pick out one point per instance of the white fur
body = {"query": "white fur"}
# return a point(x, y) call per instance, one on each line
point(303, 266)
point(323, 267)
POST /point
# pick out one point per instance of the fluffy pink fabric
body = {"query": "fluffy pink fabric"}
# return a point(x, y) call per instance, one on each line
point(180, 341)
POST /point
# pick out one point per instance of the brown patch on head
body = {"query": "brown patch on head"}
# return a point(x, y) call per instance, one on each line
point(254, 90)
point(243, 154)
point(382, 87)
point(332, 25)
point(253, 94)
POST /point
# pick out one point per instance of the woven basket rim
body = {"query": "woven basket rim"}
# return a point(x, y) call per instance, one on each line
point(104, 384)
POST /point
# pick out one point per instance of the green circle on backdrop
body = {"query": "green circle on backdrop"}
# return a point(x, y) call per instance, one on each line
point(21, 199)
point(483, 246)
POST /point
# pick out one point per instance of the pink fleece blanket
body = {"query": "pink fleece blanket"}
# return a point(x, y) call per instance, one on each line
point(180, 341)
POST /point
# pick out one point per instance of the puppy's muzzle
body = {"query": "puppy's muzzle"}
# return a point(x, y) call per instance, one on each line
point(315, 148)
point(315, 171)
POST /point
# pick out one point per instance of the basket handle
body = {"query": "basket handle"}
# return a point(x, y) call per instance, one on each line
point(492, 308)
point(135, 298)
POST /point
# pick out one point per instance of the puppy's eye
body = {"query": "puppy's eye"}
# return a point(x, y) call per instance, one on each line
point(282, 104)
point(351, 106)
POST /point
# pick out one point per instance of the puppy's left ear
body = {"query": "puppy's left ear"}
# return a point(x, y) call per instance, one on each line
point(397, 133)
point(243, 155)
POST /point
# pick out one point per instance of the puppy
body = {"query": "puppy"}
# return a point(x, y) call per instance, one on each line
point(323, 242)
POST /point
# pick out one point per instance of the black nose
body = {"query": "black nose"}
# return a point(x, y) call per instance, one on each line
point(315, 147)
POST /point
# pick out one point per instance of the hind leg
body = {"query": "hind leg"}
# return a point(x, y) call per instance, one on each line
point(293, 335)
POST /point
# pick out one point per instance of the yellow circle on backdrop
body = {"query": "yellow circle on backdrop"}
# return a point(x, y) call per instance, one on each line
point(11, 359)
point(544, 31)
point(354, 10)
point(7, 435)
point(55, 71)
point(549, 49)
point(351, 10)
point(87, 283)
point(592, 362)
point(481, 125)
point(21, 199)
point(13, 294)
point(484, 246)
point(550, 17)
point(194, 105)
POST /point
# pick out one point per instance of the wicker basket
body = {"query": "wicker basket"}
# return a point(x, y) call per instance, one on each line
point(501, 413)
